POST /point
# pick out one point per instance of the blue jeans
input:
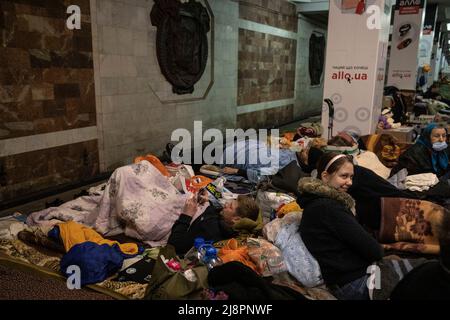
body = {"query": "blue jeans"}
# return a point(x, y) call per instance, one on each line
point(355, 290)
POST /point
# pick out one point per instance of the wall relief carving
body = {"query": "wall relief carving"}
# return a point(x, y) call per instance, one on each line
point(181, 42)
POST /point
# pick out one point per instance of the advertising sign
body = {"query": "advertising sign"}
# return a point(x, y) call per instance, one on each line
point(406, 37)
point(355, 65)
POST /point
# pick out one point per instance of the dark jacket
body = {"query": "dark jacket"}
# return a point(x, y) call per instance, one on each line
point(429, 281)
point(240, 282)
point(209, 226)
point(331, 233)
point(417, 159)
point(367, 189)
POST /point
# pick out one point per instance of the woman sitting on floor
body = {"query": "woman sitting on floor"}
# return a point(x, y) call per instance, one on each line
point(369, 182)
point(430, 154)
point(330, 231)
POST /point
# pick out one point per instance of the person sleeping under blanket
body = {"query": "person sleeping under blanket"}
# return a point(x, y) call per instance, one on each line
point(243, 151)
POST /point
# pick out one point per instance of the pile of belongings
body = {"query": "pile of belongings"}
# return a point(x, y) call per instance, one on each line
point(143, 200)
point(430, 107)
point(311, 130)
point(287, 142)
point(385, 146)
point(97, 258)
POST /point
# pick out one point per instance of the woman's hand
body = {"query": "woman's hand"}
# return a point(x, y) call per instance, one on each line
point(190, 207)
point(202, 197)
point(228, 170)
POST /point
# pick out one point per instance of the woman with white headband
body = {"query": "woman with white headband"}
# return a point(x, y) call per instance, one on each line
point(330, 231)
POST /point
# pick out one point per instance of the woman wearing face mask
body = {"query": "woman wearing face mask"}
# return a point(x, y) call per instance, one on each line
point(330, 231)
point(430, 154)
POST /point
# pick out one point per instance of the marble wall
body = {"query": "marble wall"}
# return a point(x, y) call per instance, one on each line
point(74, 103)
point(47, 97)
point(267, 63)
point(136, 110)
point(266, 67)
point(275, 13)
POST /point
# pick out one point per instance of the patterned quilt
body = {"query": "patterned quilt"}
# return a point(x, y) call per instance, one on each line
point(410, 225)
point(137, 200)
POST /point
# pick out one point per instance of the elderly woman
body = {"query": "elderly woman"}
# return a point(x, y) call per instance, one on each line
point(430, 154)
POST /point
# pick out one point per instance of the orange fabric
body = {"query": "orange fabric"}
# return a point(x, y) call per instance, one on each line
point(288, 207)
point(372, 141)
point(289, 136)
point(233, 252)
point(155, 162)
point(200, 182)
point(73, 233)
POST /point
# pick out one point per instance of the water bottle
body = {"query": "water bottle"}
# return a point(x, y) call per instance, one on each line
point(219, 183)
point(210, 258)
point(273, 214)
point(194, 253)
point(198, 243)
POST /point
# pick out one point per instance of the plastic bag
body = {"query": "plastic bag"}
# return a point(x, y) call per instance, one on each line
point(267, 257)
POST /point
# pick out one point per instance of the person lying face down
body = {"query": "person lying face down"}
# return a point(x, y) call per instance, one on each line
point(330, 231)
point(430, 154)
point(213, 224)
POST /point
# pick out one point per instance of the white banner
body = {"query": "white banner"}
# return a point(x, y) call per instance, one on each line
point(427, 48)
point(437, 65)
point(406, 35)
point(355, 65)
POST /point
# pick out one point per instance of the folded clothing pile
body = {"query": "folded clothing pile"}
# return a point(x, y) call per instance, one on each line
point(421, 182)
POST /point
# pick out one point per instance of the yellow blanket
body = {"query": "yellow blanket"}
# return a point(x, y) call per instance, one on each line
point(73, 233)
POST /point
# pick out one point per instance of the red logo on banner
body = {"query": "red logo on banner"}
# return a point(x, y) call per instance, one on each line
point(409, 10)
point(349, 77)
